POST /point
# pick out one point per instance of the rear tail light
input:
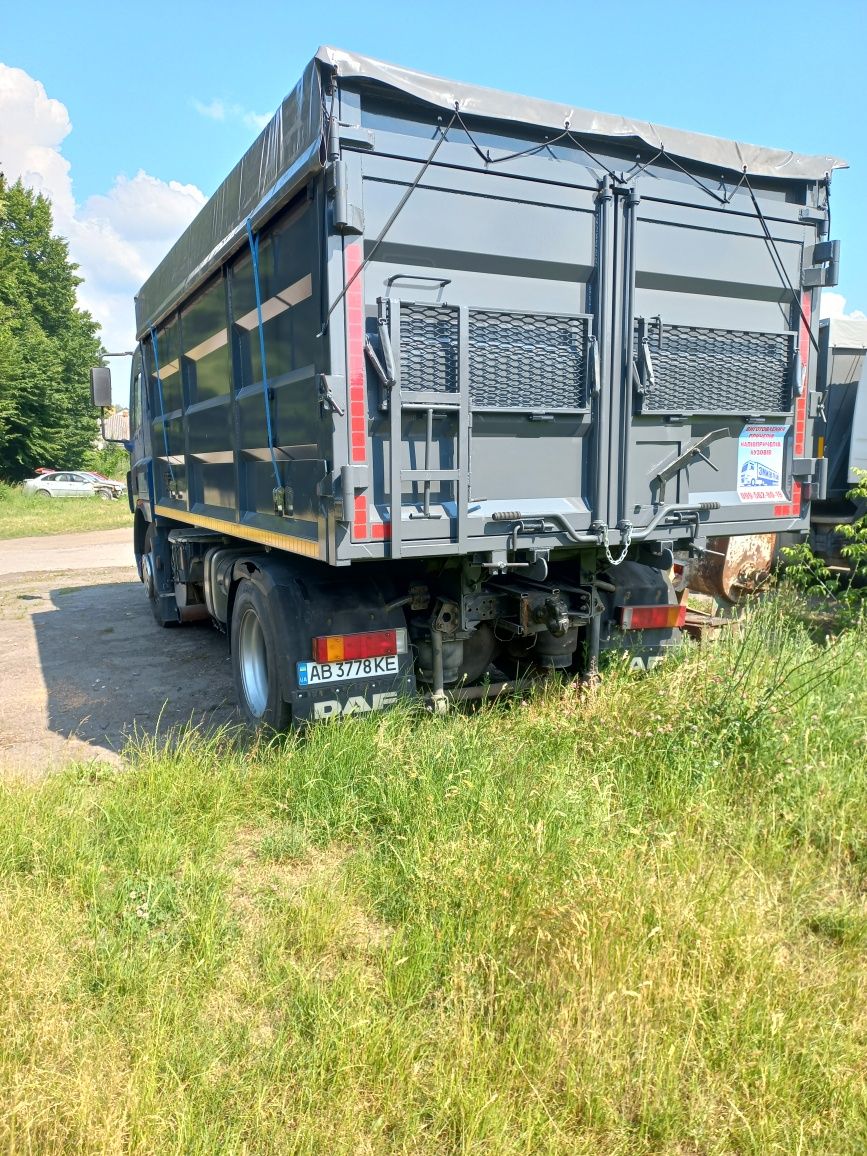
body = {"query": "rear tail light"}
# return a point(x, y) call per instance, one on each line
point(652, 617)
point(370, 644)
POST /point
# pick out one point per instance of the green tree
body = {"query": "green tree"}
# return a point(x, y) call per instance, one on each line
point(47, 344)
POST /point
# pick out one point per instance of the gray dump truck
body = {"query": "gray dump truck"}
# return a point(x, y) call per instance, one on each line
point(438, 380)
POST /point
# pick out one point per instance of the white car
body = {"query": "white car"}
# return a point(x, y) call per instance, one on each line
point(101, 481)
point(71, 484)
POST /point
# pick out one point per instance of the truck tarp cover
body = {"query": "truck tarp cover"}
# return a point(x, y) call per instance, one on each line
point(290, 147)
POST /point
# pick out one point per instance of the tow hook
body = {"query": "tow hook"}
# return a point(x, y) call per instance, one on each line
point(554, 613)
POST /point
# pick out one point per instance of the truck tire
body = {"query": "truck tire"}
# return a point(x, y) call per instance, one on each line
point(150, 578)
point(255, 666)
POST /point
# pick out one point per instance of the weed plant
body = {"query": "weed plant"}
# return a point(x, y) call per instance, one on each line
point(844, 595)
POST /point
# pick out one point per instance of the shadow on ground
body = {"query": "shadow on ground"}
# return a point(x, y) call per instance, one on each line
point(107, 671)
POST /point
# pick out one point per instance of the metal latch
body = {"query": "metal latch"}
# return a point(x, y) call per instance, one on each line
point(284, 501)
point(327, 400)
point(643, 373)
point(649, 377)
point(594, 365)
point(693, 450)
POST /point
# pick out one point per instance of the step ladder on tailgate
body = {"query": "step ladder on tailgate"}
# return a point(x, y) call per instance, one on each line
point(426, 351)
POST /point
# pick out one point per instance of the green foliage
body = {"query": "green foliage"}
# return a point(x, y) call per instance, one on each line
point(628, 918)
point(111, 460)
point(856, 533)
point(811, 574)
point(47, 344)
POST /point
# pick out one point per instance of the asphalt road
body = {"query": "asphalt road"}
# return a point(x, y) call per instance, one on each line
point(83, 664)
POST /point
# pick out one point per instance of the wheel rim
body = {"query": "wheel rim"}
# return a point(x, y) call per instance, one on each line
point(253, 663)
point(148, 575)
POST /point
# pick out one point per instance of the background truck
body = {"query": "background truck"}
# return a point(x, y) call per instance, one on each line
point(440, 377)
point(840, 431)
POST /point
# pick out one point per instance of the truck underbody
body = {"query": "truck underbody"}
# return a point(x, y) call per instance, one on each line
point(310, 641)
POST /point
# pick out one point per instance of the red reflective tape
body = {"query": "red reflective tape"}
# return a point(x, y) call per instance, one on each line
point(793, 508)
point(379, 531)
point(352, 258)
point(359, 518)
point(801, 404)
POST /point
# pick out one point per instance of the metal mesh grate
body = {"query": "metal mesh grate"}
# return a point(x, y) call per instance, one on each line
point(516, 360)
point(428, 348)
point(716, 371)
point(527, 359)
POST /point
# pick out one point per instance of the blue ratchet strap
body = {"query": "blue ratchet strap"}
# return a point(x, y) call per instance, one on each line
point(254, 253)
point(153, 333)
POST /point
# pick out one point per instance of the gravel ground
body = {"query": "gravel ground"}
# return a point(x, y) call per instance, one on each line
point(82, 662)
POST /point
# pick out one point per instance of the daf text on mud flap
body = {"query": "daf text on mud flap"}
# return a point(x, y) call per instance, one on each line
point(357, 704)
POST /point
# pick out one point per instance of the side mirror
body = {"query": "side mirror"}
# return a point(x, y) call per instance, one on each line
point(100, 386)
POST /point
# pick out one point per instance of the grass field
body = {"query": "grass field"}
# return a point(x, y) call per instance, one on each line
point(24, 516)
point(624, 919)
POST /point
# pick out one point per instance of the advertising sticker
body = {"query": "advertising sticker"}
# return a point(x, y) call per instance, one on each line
point(761, 453)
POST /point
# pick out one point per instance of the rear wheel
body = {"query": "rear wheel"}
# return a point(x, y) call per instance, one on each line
point(255, 664)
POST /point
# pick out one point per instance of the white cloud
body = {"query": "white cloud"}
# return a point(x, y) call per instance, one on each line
point(834, 305)
point(217, 109)
point(213, 110)
point(118, 237)
point(32, 128)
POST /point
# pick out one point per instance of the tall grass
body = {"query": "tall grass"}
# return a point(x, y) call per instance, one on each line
point(624, 919)
point(24, 515)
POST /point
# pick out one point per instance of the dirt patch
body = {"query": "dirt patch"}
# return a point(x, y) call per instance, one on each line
point(83, 666)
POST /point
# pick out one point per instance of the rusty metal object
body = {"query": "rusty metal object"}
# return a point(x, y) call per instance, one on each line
point(733, 568)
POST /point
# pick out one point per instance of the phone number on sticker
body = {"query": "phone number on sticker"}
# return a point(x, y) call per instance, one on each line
point(316, 673)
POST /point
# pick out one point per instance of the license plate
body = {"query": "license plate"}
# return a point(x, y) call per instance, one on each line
point(317, 673)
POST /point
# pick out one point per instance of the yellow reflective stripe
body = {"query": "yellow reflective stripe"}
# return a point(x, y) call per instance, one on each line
point(239, 530)
point(820, 448)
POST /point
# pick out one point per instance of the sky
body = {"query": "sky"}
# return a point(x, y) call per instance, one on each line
point(128, 116)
